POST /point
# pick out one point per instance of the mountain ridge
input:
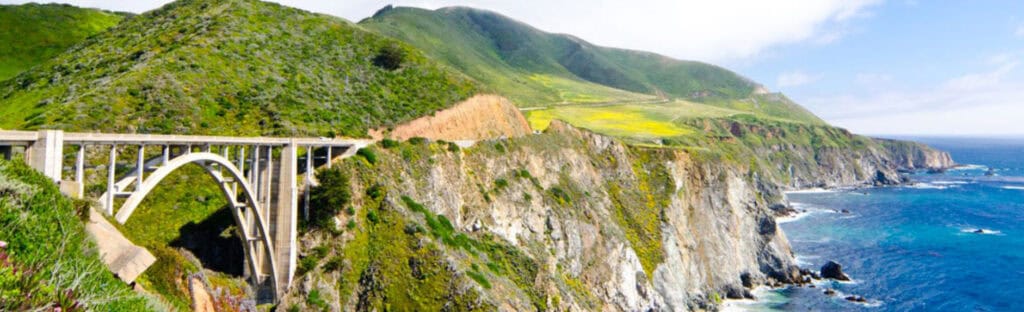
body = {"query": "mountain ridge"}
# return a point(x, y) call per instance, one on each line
point(538, 68)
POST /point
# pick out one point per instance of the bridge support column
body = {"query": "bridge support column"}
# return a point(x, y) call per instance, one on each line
point(284, 216)
point(47, 153)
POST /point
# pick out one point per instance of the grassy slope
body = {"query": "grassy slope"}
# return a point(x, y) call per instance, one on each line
point(33, 33)
point(527, 79)
point(238, 67)
point(45, 233)
point(514, 59)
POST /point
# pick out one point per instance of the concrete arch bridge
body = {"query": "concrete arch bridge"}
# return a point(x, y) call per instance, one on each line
point(259, 176)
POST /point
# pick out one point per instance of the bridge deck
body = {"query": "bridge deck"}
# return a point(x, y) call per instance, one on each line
point(8, 137)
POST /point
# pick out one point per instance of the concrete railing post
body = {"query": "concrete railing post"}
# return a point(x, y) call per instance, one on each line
point(47, 153)
point(80, 171)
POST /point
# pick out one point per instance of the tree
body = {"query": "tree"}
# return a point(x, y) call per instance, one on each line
point(330, 197)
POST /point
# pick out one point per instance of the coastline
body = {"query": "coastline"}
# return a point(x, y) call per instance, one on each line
point(766, 296)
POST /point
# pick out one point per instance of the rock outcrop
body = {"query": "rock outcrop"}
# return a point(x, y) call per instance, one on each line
point(913, 155)
point(834, 270)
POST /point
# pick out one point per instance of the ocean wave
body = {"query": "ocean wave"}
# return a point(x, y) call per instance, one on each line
point(1013, 187)
point(981, 231)
point(928, 186)
point(806, 260)
point(766, 297)
point(941, 182)
point(815, 190)
point(803, 210)
point(970, 167)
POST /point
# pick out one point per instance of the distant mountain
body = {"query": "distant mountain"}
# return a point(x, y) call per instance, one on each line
point(33, 33)
point(231, 67)
point(537, 68)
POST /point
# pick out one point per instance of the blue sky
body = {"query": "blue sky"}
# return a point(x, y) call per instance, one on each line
point(936, 67)
point(903, 67)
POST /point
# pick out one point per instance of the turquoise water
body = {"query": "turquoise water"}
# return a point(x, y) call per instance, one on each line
point(913, 248)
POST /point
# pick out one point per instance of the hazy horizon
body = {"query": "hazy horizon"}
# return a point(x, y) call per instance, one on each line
point(870, 66)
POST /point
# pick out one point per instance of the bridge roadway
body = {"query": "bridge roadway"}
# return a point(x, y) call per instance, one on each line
point(263, 194)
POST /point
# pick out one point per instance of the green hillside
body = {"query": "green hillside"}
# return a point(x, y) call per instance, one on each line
point(48, 261)
point(33, 33)
point(238, 67)
point(517, 60)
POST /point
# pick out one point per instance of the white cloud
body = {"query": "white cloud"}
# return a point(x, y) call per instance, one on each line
point(713, 31)
point(795, 79)
point(982, 103)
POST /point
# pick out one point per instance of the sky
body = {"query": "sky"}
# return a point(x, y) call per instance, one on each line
point(879, 67)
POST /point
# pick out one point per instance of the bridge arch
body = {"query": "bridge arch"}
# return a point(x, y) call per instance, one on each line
point(250, 218)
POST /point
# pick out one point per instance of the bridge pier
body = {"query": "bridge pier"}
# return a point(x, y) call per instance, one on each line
point(284, 215)
point(47, 153)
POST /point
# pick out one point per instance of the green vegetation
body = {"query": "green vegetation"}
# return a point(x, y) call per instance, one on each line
point(49, 260)
point(237, 67)
point(393, 270)
point(33, 33)
point(502, 259)
point(639, 208)
point(329, 197)
point(536, 68)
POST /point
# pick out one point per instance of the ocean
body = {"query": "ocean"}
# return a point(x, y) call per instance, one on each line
point(916, 247)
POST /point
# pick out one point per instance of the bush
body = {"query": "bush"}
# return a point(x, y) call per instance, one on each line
point(454, 148)
point(389, 57)
point(418, 141)
point(376, 192)
point(388, 143)
point(368, 154)
point(328, 198)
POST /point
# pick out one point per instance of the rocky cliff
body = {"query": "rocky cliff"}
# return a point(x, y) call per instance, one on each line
point(570, 220)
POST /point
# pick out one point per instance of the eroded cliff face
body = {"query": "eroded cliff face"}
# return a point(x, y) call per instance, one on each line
point(570, 220)
point(480, 117)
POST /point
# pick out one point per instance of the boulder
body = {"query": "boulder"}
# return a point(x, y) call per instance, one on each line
point(830, 292)
point(834, 270)
point(886, 178)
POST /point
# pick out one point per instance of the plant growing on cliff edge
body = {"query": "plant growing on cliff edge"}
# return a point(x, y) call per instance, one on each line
point(368, 154)
point(328, 198)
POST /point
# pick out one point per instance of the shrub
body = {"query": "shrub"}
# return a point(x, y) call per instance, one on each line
point(334, 264)
point(368, 154)
point(389, 57)
point(388, 143)
point(500, 184)
point(315, 299)
point(328, 198)
point(418, 141)
point(454, 148)
point(372, 217)
point(376, 191)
